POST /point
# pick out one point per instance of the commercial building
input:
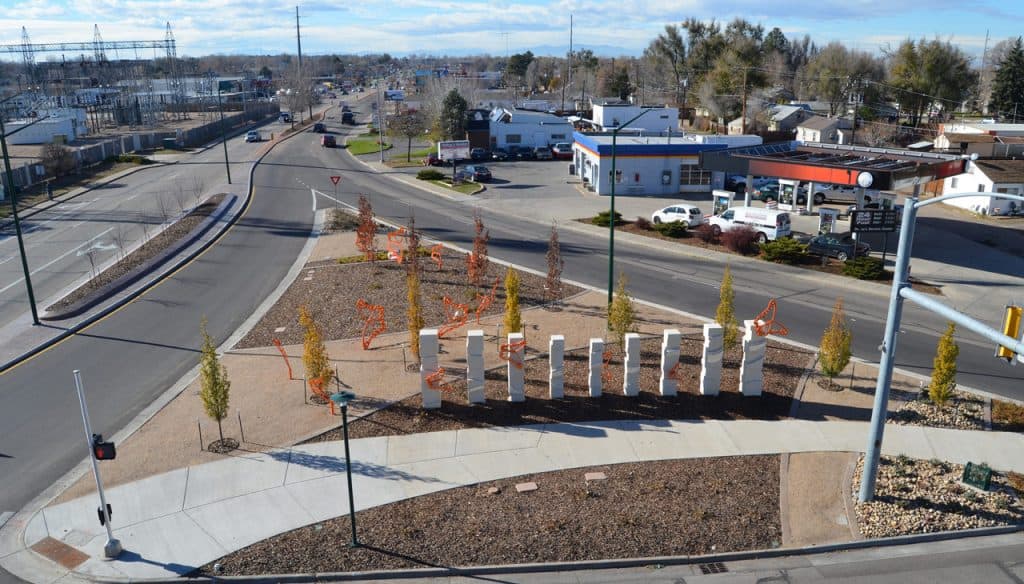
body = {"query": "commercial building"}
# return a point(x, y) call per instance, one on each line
point(650, 164)
point(515, 127)
point(609, 114)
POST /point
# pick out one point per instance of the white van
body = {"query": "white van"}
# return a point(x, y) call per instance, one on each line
point(768, 223)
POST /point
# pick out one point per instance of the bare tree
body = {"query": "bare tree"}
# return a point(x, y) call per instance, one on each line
point(162, 208)
point(90, 254)
point(198, 187)
point(56, 158)
point(120, 239)
point(877, 134)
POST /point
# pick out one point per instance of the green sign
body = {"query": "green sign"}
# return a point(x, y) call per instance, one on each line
point(977, 476)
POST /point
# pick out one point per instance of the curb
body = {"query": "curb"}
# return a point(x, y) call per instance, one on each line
point(535, 568)
point(146, 267)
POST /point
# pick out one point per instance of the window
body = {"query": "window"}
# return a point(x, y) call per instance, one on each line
point(690, 174)
point(513, 139)
point(954, 182)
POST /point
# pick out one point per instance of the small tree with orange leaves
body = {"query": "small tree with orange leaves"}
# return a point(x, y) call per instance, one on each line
point(366, 232)
point(476, 262)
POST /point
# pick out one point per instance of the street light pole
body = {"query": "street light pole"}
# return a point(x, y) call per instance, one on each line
point(611, 215)
point(342, 398)
point(223, 135)
point(9, 187)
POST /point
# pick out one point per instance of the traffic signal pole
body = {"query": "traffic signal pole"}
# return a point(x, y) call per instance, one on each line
point(112, 548)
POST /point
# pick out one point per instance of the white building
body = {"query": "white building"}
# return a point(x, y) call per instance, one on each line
point(988, 176)
point(67, 122)
point(818, 129)
point(982, 128)
point(610, 114)
point(512, 127)
point(657, 164)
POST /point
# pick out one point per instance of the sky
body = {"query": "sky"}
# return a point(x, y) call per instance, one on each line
point(463, 27)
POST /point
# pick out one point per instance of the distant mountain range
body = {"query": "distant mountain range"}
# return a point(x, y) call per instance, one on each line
point(538, 51)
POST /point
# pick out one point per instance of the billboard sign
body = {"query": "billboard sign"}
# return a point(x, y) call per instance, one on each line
point(453, 150)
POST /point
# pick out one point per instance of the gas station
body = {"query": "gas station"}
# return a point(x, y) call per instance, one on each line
point(882, 170)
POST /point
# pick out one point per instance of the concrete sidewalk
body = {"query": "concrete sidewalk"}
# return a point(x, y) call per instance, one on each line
point(172, 523)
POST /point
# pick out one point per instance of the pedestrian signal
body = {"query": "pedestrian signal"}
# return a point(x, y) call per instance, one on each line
point(103, 450)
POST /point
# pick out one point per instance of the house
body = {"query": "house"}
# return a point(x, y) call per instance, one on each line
point(609, 114)
point(785, 118)
point(992, 129)
point(737, 127)
point(515, 127)
point(984, 145)
point(663, 164)
point(818, 129)
point(988, 176)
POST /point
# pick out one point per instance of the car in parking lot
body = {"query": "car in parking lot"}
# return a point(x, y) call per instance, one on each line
point(253, 136)
point(841, 194)
point(432, 159)
point(738, 182)
point(562, 151)
point(477, 173)
point(543, 153)
point(328, 141)
point(770, 192)
point(835, 245)
point(686, 213)
point(521, 153)
point(499, 154)
point(478, 154)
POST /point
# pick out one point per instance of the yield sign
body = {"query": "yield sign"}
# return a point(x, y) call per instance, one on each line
point(335, 179)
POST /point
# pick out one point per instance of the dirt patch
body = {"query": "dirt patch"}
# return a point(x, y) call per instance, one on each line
point(703, 506)
point(782, 371)
point(330, 291)
point(160, 242)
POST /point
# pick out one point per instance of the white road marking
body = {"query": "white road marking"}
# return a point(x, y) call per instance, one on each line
point(6, 259)
point(55, 260)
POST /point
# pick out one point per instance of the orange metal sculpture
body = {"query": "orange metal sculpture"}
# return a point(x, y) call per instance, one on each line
point(434, 381)
point(765, 324)
point(485, 302)
point(374, 323)
point(435, 254)
point(506, 350)
point(456, 315)
point(396, 245)
point(277, 343)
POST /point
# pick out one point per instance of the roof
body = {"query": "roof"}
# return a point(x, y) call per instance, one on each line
point(819, 123)
point(519, 116)
point(1002, 171)
point(958, 138)
point(781, 112)
point(1010, 139)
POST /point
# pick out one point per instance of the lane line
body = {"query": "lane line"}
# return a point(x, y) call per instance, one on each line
point(55, 260)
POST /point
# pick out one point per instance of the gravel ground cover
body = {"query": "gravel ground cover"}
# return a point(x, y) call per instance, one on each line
point(918, 496)
point(1007, 417)
point(332, 293)
point(161, 241)
point(782, 371)
point(964, 411)
point(703, 506)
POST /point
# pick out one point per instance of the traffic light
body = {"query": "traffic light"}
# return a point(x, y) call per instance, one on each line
point(103, 450)
point(1011, 328)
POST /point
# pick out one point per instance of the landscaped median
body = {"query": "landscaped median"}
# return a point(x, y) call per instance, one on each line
point(367, 143)
point(441, 179)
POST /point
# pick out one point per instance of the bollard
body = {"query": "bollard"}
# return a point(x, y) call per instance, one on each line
point(475, 366)
point(711, 363)
point(668, 385)
point(751, 369)
point(631, 364)
point(556, 367)
point(596, 362)
point(428, 366)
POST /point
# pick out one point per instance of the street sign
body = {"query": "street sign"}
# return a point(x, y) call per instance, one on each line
point(874, 221)
point(977, 476)
point(335, 179)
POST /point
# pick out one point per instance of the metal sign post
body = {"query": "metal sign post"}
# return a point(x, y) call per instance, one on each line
point(113, 547)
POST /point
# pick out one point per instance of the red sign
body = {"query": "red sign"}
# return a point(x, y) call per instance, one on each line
point(335, 179)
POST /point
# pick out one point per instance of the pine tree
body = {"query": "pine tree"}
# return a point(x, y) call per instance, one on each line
point(215, 386)
point(621, 313)
point(366, 232)
point(314, 353)
point(513, 317)
point(836, 343)
point(1008, 86)
point(414, 311)
point(553, 285)
point(725, 314)
point(943, 382)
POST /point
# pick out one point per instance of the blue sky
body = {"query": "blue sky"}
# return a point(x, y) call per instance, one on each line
point(464, 27)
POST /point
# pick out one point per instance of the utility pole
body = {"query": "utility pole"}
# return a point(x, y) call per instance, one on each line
point(9, 187)
point(743, 114)
point(298, 40)
point(568, 66)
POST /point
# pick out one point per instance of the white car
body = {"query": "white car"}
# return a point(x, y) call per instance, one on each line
point(252, 136)
point(689, 214)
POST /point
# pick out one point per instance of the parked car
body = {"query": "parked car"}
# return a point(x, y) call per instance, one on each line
point(562, 151)
point(770, 192)
point(478, 154)
point(499, 154)
point(738, 182)
point(521, 152)
point(319, 128)
point(285, 117)
point(768, 223)
point(835, 245)
point(253, 136)
point(432, 159)
point(543, 153)
point(328, 141)
point(841, 194)
point(689, 214)
point(477, 173)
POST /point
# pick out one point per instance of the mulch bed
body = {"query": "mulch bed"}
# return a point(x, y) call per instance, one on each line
point(566, 519)
point(332, 293)
point(783, 368)
point(160, 242)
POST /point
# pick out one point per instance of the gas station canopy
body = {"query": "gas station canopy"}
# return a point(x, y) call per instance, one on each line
point(884, 169)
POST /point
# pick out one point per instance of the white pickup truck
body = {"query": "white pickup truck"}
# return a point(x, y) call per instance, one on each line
point(841, 194)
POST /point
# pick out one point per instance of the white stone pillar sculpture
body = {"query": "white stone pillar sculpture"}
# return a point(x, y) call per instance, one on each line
point(711, 363)
point(428, 366)
point(515, 368)
point(475, 367)
point(596, 363)
point(751, 374)
point(669, 357)
point(631, 373)
point(556, 365)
